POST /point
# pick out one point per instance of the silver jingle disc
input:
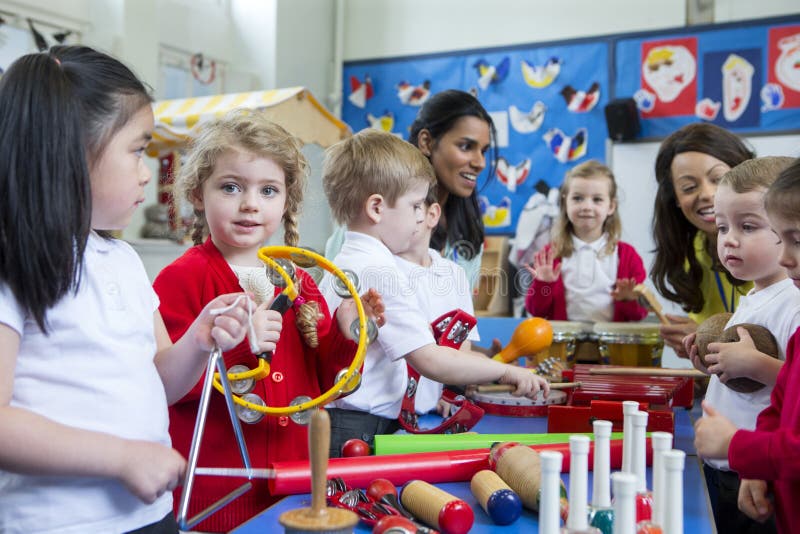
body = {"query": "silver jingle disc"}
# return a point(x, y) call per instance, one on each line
point(248, 415)
point(275, 277)
point(244, 385)
point(302, 260)
point(372, 330)
point(304, 417)
point(351, 385)
point(340, 288)
point(316, 273)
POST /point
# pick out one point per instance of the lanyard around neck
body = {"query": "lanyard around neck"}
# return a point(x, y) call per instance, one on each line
point(722, 297)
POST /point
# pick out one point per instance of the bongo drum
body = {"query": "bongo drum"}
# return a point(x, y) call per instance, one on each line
point(632, 344)
point(569, 339)
point(504, 403)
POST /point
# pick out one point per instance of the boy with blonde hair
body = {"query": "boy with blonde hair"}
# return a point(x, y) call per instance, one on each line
point(376, 185)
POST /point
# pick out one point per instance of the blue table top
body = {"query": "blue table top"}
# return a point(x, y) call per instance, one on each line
point(697, 510)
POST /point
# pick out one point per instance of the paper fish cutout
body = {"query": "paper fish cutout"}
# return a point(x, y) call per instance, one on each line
point(383, 122)
point(564, 147)
point(360, 91)
point(527, 122)
point(771, 97)
point(512, 175)
point(413, 95)
point(489, 74)
point(645, 100)
point(497, 216)
point(707, 109)
point(580, 101)
point(539, 76)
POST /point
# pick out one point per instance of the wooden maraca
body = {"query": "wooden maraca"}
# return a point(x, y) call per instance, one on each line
point(318, 518)
point(530, 336)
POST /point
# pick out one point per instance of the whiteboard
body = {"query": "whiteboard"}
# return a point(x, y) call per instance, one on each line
point(633, 166)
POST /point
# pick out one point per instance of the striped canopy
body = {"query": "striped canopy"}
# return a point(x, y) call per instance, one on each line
point(294, 108)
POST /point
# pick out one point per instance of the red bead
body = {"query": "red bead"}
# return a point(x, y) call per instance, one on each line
point(456, 517)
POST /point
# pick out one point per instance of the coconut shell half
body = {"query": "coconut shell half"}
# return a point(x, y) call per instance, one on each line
point(764, 341)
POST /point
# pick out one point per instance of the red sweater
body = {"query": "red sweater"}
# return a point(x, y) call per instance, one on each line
point(770, 452)
point(185, 287)
point(547, 300)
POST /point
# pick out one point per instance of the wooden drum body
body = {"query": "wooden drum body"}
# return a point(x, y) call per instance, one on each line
point(572, 340)
point(631, 344)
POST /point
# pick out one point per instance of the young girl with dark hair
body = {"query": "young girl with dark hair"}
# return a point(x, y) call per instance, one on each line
point(86, 366)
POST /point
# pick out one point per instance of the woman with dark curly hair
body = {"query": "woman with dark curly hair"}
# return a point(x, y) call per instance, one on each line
point(686, 269)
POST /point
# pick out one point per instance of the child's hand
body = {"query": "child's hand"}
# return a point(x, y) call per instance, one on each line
point(150, 469)
point(691, 349)
point(527, 383)
point(543, 269)
point(373, 308)
point(735, 359)
point(623, 289)
point(223, 322)
point(267, 325)
point(713, 434)
point(674, 333)
point(443, 408)
point(753, 500)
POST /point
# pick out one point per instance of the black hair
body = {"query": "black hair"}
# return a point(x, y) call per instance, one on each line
point(463, 217)
point(673, 233)
point(58, 110)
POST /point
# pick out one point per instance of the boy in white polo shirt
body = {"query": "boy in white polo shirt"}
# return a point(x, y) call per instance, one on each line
point(750, 250)
point(376, 185)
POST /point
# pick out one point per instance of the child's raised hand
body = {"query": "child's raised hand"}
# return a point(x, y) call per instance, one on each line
point(149, 469)
point(543, 269)
point(753, 500)
point(623, 289)
point(713, 433)
point(527, 383)
point(735, 359)
point(267, 325)
point(373, 308)
point(223, 322)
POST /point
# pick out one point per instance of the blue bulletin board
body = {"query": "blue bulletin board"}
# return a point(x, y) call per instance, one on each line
point(546, 102)
point(744, 77)
point(547, 99)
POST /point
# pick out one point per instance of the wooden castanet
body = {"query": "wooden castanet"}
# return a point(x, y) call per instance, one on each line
point(437, 508)
point(318, 518)
point(530, 336)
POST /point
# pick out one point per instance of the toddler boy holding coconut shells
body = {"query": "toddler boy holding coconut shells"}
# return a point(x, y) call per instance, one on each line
point(744, 361)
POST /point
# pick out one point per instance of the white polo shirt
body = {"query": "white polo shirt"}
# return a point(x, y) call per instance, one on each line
point(776, 308)
point(94, 370)
point(440, 288)
point(385, 375)
point(589, 275)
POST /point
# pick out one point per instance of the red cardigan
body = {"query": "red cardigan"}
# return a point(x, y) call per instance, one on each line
point(185, 287)
point(770, 452)
point(547, 300)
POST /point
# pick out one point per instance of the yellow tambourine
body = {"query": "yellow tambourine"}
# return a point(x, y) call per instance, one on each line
point(347, 381)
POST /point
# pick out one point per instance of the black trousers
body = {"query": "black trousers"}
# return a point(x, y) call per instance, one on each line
point(723, 491)
point(167, 525)
point(349, 424)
